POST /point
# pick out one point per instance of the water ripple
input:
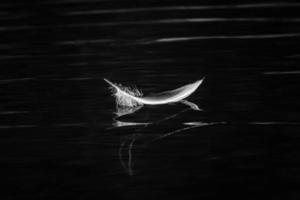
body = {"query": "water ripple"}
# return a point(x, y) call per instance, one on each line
point(274, 123)
point(71, 125)
point(17, 126)
point(176, 8)
point(263, 36)
point(179, 20)
point(12, 112)
point(281, 72)
point(16, 80)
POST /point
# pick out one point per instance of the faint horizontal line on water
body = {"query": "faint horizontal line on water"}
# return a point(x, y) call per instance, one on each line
point(15, 56)
point(13, 16)
point(118, 124)
point(79, 42)
point(77, 54)
point(47, 55)
point(274, 123)
point(204, 123)
point(13, 28)
point(11, 4)
point(281, 72)
point(293, 56)
point(17, 126)
point(183, 20)
point(73, 79)
point(265, 36)
point(146, 22)
point(10, 46)
point(142, 61)
point(16, 80)
point(252, 19)
point(130, 61)
point(71, 125)
point(11, 112)
point(78, 64)
point(171, 8)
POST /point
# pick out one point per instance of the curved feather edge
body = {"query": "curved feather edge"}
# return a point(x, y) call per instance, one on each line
point(131, 98)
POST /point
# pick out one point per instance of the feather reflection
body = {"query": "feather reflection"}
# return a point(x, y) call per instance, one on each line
point(128, 142)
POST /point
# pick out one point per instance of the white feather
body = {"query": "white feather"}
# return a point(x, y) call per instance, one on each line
point(132, 97)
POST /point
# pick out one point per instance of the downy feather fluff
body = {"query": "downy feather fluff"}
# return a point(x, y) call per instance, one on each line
point(132, 97)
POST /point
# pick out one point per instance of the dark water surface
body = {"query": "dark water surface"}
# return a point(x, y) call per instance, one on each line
point(61, 139)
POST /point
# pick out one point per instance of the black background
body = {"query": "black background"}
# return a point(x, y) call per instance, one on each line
point(59, 138)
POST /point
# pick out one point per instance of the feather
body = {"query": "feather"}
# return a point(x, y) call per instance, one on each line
point(132, 97)
point(125, 96)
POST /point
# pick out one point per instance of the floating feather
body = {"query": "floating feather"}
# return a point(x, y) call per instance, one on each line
point(132, 97)
point(125, 96)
